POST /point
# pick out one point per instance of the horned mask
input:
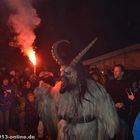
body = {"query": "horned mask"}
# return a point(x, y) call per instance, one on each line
point(68, 73)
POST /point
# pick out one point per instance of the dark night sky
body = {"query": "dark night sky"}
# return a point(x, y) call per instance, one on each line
point(115, 23)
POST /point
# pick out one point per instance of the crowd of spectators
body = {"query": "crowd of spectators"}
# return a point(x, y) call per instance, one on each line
point(124, 88)
point(18, 108)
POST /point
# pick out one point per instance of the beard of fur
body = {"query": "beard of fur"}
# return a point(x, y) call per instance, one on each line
point(69, 103)
point(67, 85)
point(79, 85)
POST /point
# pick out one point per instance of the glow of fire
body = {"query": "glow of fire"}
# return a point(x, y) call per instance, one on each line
point(32, 56)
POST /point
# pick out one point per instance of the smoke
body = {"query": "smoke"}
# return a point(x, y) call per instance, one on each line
point(22, 21)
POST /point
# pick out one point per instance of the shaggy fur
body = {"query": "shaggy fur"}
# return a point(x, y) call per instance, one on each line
point(76, 108)
point(61, 112)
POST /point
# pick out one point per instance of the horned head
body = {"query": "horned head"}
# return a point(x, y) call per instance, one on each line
point(76, 59)
point(69, 73)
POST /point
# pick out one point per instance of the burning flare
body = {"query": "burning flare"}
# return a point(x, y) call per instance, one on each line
point(32, 56)
point(22, 22)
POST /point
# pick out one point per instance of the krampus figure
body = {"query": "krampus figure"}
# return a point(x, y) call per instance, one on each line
point(76, 108)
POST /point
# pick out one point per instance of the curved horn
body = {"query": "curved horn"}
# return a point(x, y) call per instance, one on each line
point(82, 53)
point(54, 51)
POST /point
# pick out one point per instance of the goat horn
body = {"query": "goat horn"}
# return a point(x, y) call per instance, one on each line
point(54, 51)
point(82, 53)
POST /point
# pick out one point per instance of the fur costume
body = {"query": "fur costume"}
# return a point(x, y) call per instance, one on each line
point(76, 108)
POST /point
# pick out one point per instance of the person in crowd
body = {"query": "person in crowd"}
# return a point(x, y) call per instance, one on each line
point(136, 128)
point(27, 73)
point(117, 89)
point(47, 77)
point(31, 116)
point(13, 115)
point(135, 105)
point(6, 100)
point(21, 115)
point(26, 88)
point(96, 75)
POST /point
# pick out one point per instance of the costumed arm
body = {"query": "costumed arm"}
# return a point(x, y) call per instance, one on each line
point(108, 122)
point(46, 108)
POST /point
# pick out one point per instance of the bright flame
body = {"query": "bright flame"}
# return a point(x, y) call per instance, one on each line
point(32, 56)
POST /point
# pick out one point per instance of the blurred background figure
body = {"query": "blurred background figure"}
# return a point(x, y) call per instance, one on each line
point(97, 75)
point(117, 89)
point(31, 116)
point(7, 96)
point(136, 128)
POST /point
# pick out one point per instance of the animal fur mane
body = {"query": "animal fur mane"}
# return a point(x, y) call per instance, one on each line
point(100, 105)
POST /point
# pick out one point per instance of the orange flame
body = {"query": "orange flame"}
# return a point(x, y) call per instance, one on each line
point(32, 56)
